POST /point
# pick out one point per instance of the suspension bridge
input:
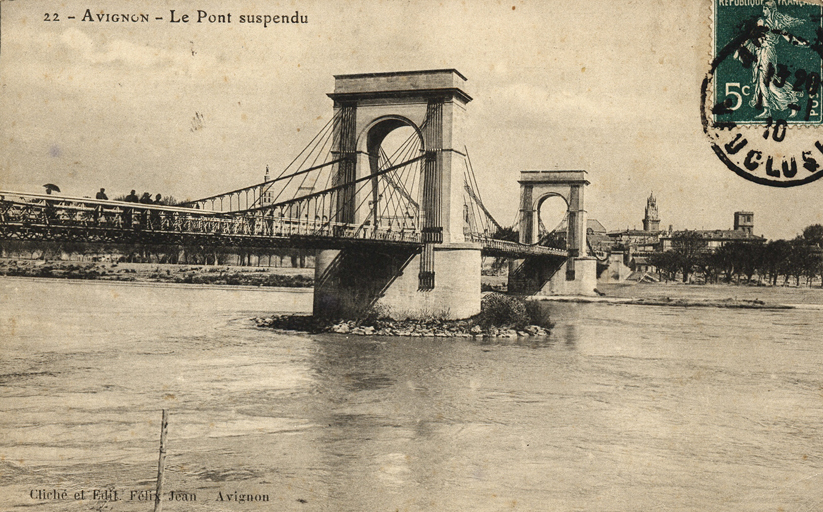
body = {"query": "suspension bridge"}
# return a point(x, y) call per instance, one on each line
point(406, 230)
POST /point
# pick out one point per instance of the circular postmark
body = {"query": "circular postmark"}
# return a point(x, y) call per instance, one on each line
point(761, 100)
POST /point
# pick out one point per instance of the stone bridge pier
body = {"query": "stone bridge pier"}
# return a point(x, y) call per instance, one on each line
point(442, 278)
point(574, 275)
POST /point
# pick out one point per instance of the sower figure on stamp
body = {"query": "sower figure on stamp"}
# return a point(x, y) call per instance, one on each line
point(766, 72)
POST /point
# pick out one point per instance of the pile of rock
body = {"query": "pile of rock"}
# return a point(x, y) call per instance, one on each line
point(290, 323)
point(416, 328)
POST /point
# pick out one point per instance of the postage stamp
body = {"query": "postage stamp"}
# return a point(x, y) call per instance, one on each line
point(764, 87)
point(773, 70)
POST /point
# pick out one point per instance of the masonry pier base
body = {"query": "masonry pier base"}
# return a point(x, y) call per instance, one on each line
point(350, 282)
point(541, 277)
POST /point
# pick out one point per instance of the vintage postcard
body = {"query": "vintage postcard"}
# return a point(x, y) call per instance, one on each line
point(405, 256)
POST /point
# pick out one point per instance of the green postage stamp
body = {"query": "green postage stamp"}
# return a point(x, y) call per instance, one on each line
point(770, 61)
point(761, 99)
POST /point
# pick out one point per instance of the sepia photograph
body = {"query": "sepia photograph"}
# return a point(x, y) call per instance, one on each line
point(411, 255)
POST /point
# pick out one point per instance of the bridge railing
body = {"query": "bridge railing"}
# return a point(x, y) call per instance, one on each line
point(24, 211)
point(493, 246)
point(67, 211)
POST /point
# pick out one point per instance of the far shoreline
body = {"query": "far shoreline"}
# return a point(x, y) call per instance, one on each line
point(729, 303)
point(301, 280)
point(221, 276)
point(162, 284)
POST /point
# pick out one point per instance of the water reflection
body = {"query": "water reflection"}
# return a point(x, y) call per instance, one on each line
point(379, 412)
point(567, 318)
point(621, 408)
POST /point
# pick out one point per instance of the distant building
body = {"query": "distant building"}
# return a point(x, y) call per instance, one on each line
point(651, 222)
point(633, 248)
point(635, 243)
point(744, 221)
point(267, 197)
point(596, 234)
point(716, 238)
point(635, 239)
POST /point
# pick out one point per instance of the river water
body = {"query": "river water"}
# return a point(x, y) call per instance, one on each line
point(622, 408)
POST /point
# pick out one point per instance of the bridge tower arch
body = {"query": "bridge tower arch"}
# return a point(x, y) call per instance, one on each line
point(539, 209)
point(578, 274)
point(444, 276)
point(369, 146)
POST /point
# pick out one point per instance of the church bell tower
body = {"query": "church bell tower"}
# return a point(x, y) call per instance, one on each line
point(651, 222)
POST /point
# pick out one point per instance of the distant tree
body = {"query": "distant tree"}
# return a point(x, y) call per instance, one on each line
point(774, 260)
point(507, 233)
point(687, 246)
point(750, 257)
point(737, 259)
point(802, 261)
point(666, 263)
point(554, 240)
point(169, 201)
point(813, 235)
point(705, 265)
point(816, 263)
point(723, 261)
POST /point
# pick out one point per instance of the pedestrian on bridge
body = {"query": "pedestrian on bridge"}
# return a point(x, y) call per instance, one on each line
point(155, 214)
point(98, 209)
point(127, 212)
point(144, 217)
point(51, 212)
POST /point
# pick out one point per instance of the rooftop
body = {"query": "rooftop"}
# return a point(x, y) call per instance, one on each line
point(591, 224)
point(720, 234)
point(635, 232)
point(394, 83)
point(571, 176)
point(403, 73)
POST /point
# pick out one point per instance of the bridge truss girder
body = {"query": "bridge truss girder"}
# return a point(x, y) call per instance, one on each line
point(64, 234)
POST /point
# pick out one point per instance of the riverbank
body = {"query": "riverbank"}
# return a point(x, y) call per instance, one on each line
point(675, 302)
point(644, 294)
point(719, 295)
point(161, 273)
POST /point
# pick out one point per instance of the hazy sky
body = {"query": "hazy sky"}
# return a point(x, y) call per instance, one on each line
point(609, 87)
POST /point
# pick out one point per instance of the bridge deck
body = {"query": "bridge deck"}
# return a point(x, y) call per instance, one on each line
point(70, 219)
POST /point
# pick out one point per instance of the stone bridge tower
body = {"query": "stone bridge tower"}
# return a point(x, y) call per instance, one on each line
point(578, 274)
point(444, 278)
